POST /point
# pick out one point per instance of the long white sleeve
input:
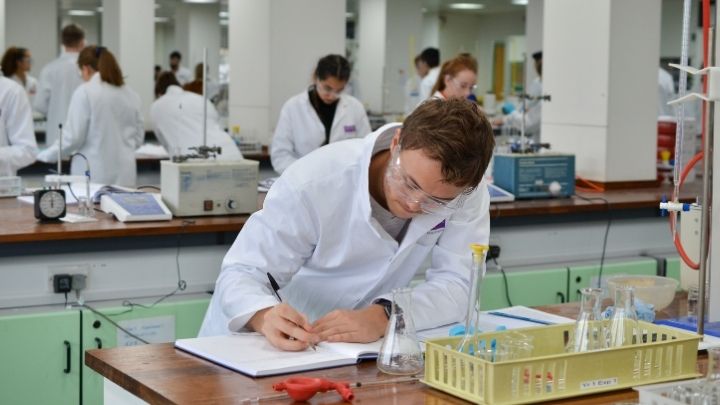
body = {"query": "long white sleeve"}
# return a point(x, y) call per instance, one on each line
point(21, 145)
point(282, 149)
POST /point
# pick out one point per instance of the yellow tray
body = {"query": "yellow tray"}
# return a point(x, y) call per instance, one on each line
point(664, 354)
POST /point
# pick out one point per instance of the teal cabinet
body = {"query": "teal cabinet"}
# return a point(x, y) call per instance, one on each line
point(584, 276)
point(40, 358)
point(529, 288)
point(98, 332)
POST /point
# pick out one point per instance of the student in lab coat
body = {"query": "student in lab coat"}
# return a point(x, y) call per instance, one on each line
point(666, 92)
point(16, 64)
point(430, 62)
point(412, 86)
point(346, 224)
point(323, 114)
point(457, 78)
point(177, 117)
point(58, 81)
point(182, 73)
point(104, 122)
point(17, 137)
point(532, 106)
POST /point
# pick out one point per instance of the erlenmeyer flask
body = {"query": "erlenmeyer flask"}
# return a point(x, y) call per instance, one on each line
point(623, 328)
point(589, 331)
point(400, 353)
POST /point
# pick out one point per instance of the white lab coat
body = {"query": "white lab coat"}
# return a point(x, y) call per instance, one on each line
point(428, 82)
point(534, 111)
point(299, 130)
point(666, 92)
point(177, 119)
point(30, 86)
point(183, 75)
point(317, 237)
point(17, 136)
point(58, 81)
point(105, 124)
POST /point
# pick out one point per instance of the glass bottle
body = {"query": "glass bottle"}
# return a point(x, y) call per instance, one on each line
point(589, 331)
point(469, 342)
point(400, 353)
point(623, 319)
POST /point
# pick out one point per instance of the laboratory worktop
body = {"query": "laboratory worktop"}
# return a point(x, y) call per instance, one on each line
point(160, 373)
point(19, 224)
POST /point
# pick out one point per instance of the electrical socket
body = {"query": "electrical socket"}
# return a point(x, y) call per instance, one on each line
point(78, 282)
point(68, 269)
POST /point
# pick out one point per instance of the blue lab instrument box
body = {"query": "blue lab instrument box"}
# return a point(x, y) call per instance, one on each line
point(529, 175)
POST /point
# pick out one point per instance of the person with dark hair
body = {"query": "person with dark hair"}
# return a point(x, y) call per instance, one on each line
point(16, 64)
point(58, 81)
point(429, 61)
point(533, 106)
point(457, 78)
point(177, 117)
point(182, 73)
point(348, 223)
point(321, 115)
point(104, 122)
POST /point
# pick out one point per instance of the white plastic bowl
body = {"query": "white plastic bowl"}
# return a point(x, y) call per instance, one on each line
point(655, 290)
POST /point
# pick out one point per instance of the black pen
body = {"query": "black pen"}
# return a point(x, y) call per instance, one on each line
point(275, 287)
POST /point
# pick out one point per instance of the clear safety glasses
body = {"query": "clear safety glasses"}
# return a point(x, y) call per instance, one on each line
point(413, 194)
point(464, 86)
point(325, 89)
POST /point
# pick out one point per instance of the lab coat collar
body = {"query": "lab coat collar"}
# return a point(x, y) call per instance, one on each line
point(95, 78)
point(174, 90)
point(340, 110)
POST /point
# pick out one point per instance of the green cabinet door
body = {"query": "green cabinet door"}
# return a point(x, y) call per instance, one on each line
point(529, 288)
point(40, 358)
point(583, 276)
point(672, 268)
point(97, 331)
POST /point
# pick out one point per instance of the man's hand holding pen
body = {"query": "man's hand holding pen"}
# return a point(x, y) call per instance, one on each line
point(284, 327)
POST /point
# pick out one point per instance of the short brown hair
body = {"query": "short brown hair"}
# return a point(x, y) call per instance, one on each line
point(72, 35)
point(455, 133)
point(452, 67)
point(103, 61)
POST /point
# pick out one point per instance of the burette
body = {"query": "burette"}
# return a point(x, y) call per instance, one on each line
point(680, 107)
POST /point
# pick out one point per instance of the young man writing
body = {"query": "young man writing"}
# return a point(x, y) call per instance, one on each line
point(349, 222)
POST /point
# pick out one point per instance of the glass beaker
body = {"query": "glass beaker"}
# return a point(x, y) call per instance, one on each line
point(400, 353)
point(589, 331)
point(469, 342)
point(692, 304)
point(623, 319)
point(515, 345)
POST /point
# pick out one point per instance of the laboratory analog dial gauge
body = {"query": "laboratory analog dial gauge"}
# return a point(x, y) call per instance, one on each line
point(49, 204)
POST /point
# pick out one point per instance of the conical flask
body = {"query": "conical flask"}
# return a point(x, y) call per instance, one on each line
point(469, 342)
point(589, 331)
point(400, 353)
point(623, 320)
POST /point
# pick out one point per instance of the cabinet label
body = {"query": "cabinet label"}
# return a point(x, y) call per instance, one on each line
point(604, 382)
point(159, 329)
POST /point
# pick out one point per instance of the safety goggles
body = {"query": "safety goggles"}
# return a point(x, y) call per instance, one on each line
point(408, 189)
point(325, 89)
point(464, 86)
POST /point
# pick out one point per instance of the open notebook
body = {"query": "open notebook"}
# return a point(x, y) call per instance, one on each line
point(253, 355)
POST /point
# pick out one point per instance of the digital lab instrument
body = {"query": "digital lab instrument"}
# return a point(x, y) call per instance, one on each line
point(135, 207)
point(199, 185)
point(535, 175)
